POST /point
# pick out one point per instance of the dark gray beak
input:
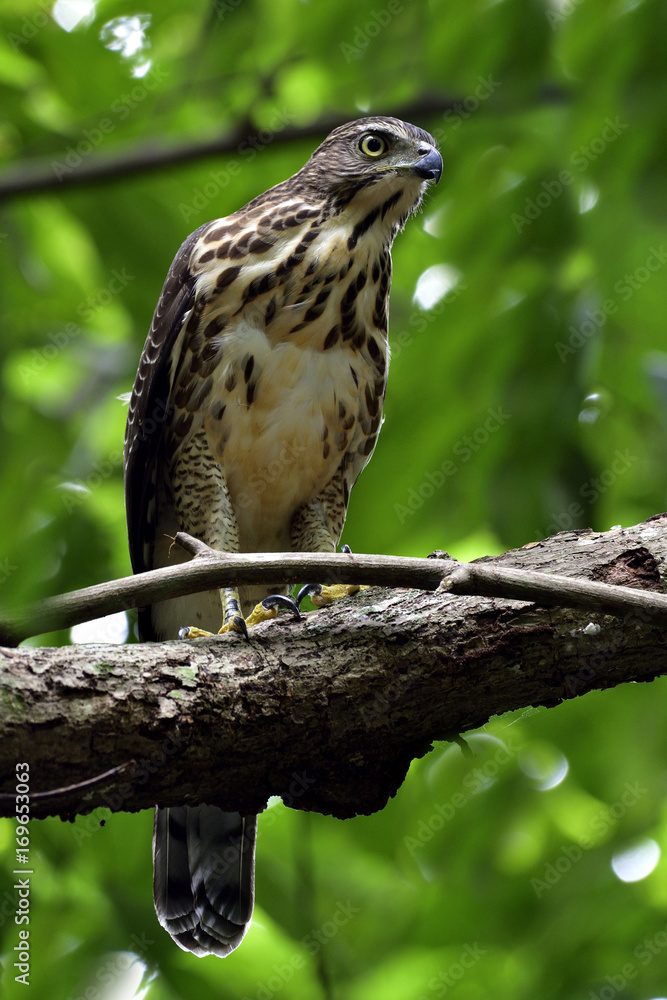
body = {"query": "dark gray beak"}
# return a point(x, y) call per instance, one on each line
point(430, 165)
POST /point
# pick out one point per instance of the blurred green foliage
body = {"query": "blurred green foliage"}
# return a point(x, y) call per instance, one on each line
point(530, 396)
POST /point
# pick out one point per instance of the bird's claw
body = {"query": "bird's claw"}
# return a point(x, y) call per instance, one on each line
point(268, 609)
point(192, 632)
point(323, 595)
point(281, 601)
point(235, 624)
point(262, 612)
point(308, 590)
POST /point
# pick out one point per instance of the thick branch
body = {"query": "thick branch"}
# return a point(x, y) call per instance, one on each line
point(329, 711)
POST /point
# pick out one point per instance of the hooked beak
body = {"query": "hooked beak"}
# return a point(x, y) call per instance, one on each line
point(429, 167)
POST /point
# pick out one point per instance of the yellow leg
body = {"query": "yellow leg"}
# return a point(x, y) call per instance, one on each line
point(233, 620)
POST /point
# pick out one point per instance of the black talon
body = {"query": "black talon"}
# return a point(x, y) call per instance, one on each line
point(346, 549)
point(281, 601)
point(184, 632)
point(240, 626)
point(308, 590)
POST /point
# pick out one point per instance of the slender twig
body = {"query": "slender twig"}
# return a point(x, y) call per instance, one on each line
point(484, 580)
point(78, 786)
point(210, 570)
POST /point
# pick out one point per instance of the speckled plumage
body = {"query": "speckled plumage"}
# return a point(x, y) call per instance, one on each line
point(259, 393)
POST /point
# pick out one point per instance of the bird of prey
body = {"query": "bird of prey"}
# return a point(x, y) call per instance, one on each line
point(257, 403)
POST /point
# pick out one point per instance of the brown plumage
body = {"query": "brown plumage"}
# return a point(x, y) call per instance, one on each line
point(256, 405)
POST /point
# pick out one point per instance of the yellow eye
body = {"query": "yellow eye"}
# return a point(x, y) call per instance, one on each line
point(373, 145)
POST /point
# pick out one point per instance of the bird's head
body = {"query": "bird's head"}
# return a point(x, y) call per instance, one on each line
point(370, 150)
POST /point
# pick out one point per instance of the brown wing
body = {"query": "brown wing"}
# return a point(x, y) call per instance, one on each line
point(150, 404)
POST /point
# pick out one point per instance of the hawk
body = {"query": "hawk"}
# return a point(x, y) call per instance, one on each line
point(257, 403)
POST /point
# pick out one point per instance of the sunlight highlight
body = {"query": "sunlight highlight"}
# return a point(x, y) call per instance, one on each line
point(112, 628)
point(637, 861)
point(544, 764)
point(126, 35)
point(434, 224)
point(128, 971)
point(434, 284)
point(71, 14)
point(588, 197)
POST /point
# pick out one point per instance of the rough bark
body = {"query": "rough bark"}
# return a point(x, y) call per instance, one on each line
point(327, 712)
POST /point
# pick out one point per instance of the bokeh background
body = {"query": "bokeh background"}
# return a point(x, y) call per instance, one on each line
point(527, 394)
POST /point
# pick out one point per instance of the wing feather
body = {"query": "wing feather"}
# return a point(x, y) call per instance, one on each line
point(151, 405)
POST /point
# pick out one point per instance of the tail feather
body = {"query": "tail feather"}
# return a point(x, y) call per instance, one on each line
point(204, 876)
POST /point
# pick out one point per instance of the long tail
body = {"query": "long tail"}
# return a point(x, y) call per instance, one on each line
point(204, 877)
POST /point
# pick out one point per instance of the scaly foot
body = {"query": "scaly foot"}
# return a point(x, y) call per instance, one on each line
point(322, 595)
point(262, 612)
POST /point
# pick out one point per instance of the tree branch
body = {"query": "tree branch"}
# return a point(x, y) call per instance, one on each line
point(211, 569)
point(329, 711)
point(31, 176)
point(40, 174)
